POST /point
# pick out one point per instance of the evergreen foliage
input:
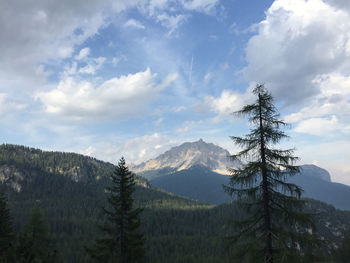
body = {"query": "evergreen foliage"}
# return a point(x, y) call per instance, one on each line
point(176, 229)
point(273, 229)
point(7, 236)
point(122, 242)
point(343, 252)
point(35, 244)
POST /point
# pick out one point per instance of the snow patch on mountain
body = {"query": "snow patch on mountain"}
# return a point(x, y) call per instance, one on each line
point(190, 154)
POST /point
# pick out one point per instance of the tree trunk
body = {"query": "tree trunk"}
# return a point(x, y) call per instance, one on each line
point(266, 201)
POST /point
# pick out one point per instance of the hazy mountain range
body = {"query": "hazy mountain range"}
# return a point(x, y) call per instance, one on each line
point(69, 190)
point(198, 170)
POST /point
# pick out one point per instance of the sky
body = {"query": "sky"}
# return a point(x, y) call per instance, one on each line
point(107, 78)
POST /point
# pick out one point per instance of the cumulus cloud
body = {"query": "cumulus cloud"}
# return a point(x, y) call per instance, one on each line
point(322, 126)
point(297, 42)
point(328, 113)
point(33, 33)
point(228, 102)
point(92, 65)
point(116, 98)
point(40, 32)
point(135, 150)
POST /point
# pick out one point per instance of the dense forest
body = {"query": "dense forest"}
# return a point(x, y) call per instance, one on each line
point(176, 229)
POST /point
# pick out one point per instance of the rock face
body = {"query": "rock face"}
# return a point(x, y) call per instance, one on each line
point(315, 172)
point(190, 154)
point(11, 176)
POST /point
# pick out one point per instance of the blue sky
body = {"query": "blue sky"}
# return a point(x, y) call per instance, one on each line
point(134, 78)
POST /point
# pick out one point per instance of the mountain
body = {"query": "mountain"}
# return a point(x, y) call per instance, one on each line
point(20, 164)
point(316, 172)
point(176, 229)
point(321, 189)
point(185, 156)
point(197, 182)
point(190, 170)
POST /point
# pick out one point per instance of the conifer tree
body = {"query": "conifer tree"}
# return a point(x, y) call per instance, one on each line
point(122, 242)
point(35, 244)
point(274, 227)
point(7, 236)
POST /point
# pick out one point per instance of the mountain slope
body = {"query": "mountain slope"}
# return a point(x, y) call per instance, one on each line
point(20, 164)
point(188, 172)
point(198, 183)
point(176, 229)
point(332, 193)
point(187, 155)
point(201, 184)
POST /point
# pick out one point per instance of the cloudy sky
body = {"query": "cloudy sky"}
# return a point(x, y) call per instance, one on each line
point(133, 77)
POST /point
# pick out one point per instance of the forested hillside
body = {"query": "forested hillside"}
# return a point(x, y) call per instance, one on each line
point(176, 229)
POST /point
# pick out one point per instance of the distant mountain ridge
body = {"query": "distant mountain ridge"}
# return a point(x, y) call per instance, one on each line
point(19, 164)
point(187, 155)
point(314, 171)
point(71, 203)
point(191, 170)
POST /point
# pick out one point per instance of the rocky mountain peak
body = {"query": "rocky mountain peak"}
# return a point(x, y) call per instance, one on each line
point(190, 154)
point(315, 172)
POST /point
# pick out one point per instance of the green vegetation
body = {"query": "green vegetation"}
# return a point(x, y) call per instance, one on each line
point(176, 229)
point(122, 241)
point(275, 227)
point(7, 236)
point(35, 245)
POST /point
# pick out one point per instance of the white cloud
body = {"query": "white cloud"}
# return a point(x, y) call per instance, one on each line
point(333, 100)
point(322, 126)
point(7, 106)
point(207, 77)
point(158, 121)
point(142, 153)
point(168, 80)
point(179, 109)
point(334, 156)
point(135, 150)
point(172, 22)
point(296, 43)
point(228, 102)
point(184, 129)
point(188, 125)
point(92, 65)
point(34, 33)
point(116, 98)
point(205, 6)
point(115, 61)
point(84, 52)
point(134, 23)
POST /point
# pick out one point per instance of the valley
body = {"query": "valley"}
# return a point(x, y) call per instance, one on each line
point(184, 222)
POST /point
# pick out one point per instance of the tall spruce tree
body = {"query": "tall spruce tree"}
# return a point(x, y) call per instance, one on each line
point(274, 227)
point(123, 242)
point(7, 236)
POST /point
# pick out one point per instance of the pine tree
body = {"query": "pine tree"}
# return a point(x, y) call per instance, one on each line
point(122, 242)
point(35, 244)
point(342, 254)
point(7, 236)
point(274, 227)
